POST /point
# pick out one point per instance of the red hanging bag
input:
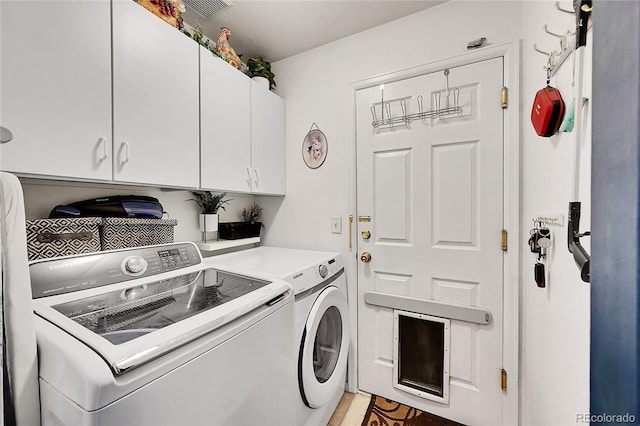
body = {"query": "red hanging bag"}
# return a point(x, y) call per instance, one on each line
point(547, 112)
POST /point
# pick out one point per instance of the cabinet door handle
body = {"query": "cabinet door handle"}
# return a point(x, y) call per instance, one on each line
point(255, 171)
point(249, 178)
point(124, 149)
point(5, 135)
point(105, 154)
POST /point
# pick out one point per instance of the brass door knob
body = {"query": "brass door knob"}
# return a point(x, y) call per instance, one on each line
point(366, 234)
point(365, 257)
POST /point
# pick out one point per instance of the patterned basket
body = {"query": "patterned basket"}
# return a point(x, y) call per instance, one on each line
point(62, 237)
point(120, 233)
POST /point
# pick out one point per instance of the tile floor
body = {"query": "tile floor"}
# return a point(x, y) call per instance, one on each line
point(350, 410)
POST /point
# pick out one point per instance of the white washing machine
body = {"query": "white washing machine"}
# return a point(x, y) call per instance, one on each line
point(321, 321)
point(155, 336)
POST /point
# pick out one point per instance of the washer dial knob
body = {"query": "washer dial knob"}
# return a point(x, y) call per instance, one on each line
point(135, 265)
point(323, 270)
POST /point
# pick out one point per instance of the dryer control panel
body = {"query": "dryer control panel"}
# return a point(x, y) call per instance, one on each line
point(74, 273)
point(316, 274)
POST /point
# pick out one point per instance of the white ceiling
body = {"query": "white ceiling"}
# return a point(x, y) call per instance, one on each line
point(276, 29)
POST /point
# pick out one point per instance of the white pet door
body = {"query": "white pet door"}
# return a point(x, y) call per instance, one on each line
point(421, 355)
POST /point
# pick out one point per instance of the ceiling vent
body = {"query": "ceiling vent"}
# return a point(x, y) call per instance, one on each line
point(206, 8)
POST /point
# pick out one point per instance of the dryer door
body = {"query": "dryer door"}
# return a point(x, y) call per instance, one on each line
point(323, 352)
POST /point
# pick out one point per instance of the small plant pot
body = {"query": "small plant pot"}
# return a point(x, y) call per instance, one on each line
point(262, 80)
point(209, 224)
point(237, 230)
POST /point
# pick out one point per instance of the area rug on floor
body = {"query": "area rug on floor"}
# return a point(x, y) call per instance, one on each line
point(385, 412)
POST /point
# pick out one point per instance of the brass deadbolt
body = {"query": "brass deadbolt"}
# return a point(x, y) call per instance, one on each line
point(366, 234)
point(365, 257)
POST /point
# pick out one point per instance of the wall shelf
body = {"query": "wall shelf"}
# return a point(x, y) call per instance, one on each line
point(220, 245)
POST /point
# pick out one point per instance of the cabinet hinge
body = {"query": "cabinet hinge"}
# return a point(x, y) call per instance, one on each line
point(505, 97)
point(505, 242)
point(503, 380)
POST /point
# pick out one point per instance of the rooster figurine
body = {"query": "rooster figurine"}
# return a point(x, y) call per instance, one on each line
point(224, 50)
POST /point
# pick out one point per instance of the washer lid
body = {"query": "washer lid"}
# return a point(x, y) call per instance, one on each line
point(133, 324)
point(323, 352)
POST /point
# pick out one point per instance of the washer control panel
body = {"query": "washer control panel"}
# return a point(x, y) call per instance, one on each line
point(73, 273)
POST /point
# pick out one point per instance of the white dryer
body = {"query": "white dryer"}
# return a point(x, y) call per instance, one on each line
point(155, 336)
point(321, 321)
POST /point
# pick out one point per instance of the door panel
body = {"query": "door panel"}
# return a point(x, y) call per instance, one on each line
point(455, 216)
point(433, 187)
point(392, 204)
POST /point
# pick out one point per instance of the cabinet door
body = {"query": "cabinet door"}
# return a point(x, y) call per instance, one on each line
point(225, 126)
point(155, 95)
point(267, 141)
point(56, 88)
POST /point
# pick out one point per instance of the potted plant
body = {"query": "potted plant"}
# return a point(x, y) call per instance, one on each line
point(252, 213)
point(209, 204)
point(260, 68)
point(248, 228)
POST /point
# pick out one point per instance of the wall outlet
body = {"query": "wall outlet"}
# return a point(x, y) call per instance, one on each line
point(336, 224)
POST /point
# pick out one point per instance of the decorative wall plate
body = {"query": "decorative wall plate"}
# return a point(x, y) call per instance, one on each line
point(314, 148)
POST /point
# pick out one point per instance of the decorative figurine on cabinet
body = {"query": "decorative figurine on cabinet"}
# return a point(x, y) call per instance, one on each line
point(169, 11)
point(224, 50)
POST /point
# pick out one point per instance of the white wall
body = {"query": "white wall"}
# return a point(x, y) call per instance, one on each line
point(554, 321)
point(554, 333)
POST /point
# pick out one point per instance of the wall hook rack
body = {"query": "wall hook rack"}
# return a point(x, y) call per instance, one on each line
point(580, 255)
point(555, 58)
point(570, 12)
point(563, 37)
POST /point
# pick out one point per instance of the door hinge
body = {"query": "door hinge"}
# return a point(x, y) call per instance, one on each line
point(505, 238)
point(503, 380)
point(505, 97)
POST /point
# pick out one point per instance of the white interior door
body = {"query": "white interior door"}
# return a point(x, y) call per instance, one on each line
point(433, 189)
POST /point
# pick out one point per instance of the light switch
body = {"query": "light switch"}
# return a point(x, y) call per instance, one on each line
point(336, 224)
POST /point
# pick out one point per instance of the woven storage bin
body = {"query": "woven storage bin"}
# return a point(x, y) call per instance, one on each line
point(120, 233)
point(62, 237)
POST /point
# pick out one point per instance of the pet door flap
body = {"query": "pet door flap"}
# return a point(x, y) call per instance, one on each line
point(421, 355)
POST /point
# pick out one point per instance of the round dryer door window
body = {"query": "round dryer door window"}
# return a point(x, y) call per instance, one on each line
point(326, 347)
point(323, 354)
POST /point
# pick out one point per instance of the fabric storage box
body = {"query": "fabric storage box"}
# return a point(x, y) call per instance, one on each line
point(236, 230)
point(118, 233)
point(62, 237)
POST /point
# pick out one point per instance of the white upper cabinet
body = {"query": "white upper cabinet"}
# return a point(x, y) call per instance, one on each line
point(155, 95)
point(225, 126)
point(267, 141)
point(105, 91)
point(242, 141)
point(56, 88)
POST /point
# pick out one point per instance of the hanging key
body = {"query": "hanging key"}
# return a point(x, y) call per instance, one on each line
point(539, 274)
point(544, 240)
point(533, 241)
